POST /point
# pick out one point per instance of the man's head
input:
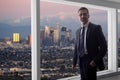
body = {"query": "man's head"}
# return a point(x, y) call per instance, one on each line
point(84, 14)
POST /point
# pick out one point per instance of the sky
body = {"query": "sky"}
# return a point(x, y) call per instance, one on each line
point(14, 9)
point(52, 9)
point(17, 12)
point(49, 10)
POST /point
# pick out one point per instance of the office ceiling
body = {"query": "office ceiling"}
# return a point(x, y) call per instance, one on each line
point(107, 3)
point(117, 1)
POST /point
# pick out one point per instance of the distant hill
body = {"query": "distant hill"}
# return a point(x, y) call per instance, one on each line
point(8, 30)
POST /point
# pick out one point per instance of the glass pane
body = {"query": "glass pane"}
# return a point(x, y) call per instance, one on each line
point(15, 40)
point(58, 25)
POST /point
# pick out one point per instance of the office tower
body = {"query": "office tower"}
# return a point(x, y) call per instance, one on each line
point(16, 37)
point(68, 35)
point(63, 32)
point(29, 39)
point(51, 35)
point(7, 39)
point(1, 72)
point(55, 36)
point(57, 33)
point(47, 31)
point(42, 36)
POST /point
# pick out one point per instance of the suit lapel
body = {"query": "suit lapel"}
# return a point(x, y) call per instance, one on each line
point(88, 30)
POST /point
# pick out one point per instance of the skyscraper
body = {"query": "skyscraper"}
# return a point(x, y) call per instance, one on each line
point(57, 33)
point(52, 34)
point(42, 36)
point(7, 39)
point(68, 35)
point(47, 31)
point(16, 37)
point(29, 39)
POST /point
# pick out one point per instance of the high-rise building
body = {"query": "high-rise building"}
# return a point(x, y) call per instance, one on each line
point(57, 33)
point(63, 32)
point(42, 32)
point(55, 36)
point(29, 39)
point(47, 31)
point(16, 37)
point(52, 35)
point(68, 34)
point(7, 39)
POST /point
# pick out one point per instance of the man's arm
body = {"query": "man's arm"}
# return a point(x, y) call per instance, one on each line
point(102, 45)
point(75, 56)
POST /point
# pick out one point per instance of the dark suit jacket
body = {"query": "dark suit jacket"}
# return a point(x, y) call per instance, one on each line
point(95, 44)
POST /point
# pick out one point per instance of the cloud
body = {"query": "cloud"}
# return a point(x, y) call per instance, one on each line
point(61, 15)
point(48, 9)
point(24, 21)
point(17, 21)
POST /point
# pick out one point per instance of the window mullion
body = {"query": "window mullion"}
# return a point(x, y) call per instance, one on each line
point(112, 39)
point(35, 30)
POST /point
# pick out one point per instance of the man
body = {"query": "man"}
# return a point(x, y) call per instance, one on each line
point(90, 47)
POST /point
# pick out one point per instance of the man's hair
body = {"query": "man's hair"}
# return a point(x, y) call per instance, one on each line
point(83, 8)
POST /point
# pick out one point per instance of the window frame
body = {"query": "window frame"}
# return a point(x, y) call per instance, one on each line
point(112, 36)
point(35, 23)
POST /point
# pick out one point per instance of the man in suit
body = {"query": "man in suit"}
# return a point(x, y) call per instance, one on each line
point(90, 47)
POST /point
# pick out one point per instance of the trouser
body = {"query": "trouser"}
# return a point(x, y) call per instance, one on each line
point(87, 72)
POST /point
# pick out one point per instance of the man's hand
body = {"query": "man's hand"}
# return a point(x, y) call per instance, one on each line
point(92, 63)
point(73, 66)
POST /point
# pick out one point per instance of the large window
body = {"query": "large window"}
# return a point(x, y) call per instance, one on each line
point(15, 40)
point(58, 25)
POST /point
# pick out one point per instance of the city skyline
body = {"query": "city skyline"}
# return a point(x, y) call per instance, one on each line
point(67, 15)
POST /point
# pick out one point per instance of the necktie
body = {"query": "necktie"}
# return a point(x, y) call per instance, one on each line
point(82, 42)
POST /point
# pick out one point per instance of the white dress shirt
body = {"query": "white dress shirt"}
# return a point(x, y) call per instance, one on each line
point(86, 28)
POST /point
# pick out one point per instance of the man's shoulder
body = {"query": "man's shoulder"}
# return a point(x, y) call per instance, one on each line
point(95, 25)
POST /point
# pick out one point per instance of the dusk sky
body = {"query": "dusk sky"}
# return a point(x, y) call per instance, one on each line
point(18, 11)
point(12, 9)
point(62, 11)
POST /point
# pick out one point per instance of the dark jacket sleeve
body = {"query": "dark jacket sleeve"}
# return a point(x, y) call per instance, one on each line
point(75, 56)
point(102, 45)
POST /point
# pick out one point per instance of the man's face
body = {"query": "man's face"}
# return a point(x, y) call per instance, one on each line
point(84, 16)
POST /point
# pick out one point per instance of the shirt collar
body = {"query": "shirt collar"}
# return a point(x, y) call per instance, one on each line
point(86, 25)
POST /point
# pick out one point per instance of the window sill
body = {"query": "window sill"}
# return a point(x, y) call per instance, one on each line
point(100, 74)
